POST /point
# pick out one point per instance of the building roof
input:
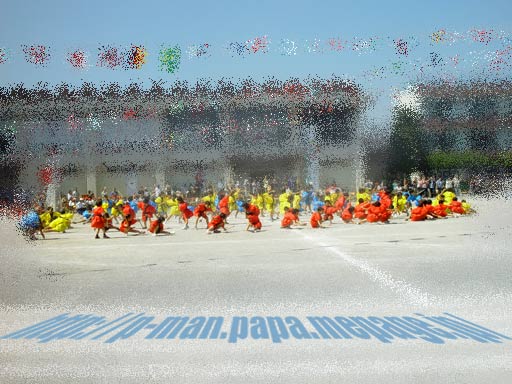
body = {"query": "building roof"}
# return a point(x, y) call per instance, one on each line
point(43, 102)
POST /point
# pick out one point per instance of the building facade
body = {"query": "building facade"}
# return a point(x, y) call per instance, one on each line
point(87, 138)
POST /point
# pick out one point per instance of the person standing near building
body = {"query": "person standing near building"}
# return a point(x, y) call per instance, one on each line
point(157, 190)
point(456, 185)
point(439, 185)
point(423, 186)
point(431, 186)
point(448, 184)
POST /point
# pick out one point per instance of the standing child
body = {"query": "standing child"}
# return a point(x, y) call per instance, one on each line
point(185, 212)
point(224, 205)
point(268, 198)
point(147, 212)
point(98, 220)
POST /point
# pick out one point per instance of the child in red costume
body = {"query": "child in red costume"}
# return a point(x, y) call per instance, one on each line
point(360, 209)
point(374, 212)
point(147, 212)
point(252, 213)
point(329, 212)
point(224, 205)
point(216, 223)
point(456, 207)
point(185, 212)
point(316, 218)
point(200, 212)
point(348, 214)
point(157, 227)
point(98, 219)
point(420, 212)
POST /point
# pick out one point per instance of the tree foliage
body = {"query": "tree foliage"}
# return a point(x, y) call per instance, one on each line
point(407, 148)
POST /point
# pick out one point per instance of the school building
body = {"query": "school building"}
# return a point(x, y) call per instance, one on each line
point(460, 116)
point(90, 137)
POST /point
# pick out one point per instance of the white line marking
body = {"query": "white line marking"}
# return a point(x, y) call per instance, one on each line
point(403, 288)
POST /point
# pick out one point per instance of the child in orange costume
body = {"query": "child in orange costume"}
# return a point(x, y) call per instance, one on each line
point(456, 206)
point(340, 202)
point(316, 218)
point(252, 214)
point(329, 211)
point(441, 209)
point(347, 215)
point(216, 223)
point(419, 213)
point(98, 219)
point(295, 213)
point(224, 205)
point(289, 218)
point(360, 209)
point(200, 212)
point(147, 212)
point(128, 211)
point(128, 221)
point(385, 199)
point(374, 212)
point(157, 227)
point(185, 212)
point(385, 212)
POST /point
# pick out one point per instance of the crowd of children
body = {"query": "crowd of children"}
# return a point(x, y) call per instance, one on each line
point(367, 205)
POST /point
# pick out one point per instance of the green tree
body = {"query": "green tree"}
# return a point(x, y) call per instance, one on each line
point(407, 143)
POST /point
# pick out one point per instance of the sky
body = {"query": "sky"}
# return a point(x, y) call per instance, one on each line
point(88, 25)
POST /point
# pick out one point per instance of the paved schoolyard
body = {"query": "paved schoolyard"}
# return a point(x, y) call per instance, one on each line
point(462, 266)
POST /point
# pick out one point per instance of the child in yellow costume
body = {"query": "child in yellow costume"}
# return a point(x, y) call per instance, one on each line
point(117, 210)
point(260, 203)
point(173, 208)
point(161, 205)
point(60, 223)
point(296, 201)
point(448, 196)
point(467, 208)
point(45, 218)
point(399, 203)
point(268, 198)
point(334, 197)
point(232, 201)
point(210, 198)
point(283, 202)
point(363, 194)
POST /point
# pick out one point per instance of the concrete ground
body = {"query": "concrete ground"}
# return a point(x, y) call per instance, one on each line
point(462, 266)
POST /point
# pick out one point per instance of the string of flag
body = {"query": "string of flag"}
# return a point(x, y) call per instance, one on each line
point(171, 57)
